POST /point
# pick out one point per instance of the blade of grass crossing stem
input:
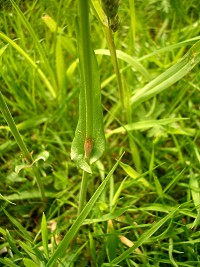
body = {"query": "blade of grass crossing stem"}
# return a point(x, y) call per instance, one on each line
point(78, 222)
point(144, 237)
point(44, 235)
point(169, 77)
point(89, 141)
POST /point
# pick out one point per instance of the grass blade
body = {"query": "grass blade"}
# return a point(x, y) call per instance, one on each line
point(169, 77)
point(128, 59)
point(142, 125)
point(9, 119)
point(79, 221)
point(31, 62)
point(36, 42)
point(44, 232)
point(29, 263)
point(144, 237)
point(24, 232)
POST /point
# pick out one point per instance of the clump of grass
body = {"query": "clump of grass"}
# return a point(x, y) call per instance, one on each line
point(141, 211)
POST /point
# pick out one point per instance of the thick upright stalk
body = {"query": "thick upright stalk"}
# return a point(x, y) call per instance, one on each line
point(83, 191)
point(86, 63)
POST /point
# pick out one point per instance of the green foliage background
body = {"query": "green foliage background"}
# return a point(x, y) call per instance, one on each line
point(160, 168)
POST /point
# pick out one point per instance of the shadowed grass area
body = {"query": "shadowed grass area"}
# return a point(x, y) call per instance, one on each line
point(143, 210)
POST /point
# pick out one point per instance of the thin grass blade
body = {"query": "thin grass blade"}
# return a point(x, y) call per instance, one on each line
point(169, 77)
point(143, 238)
point(44, 232)
point(31, 62)
point(80, 219)
point(24, 232)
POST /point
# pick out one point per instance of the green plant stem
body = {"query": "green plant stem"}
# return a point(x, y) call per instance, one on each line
point(83, 191)
point(10, 121)
point(112, 49)
point(86, 63)
point(87, 80)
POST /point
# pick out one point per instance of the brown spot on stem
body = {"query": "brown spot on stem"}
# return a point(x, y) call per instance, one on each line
point(88, 146)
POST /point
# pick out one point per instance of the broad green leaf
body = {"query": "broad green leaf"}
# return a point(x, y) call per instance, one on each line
point(89, 141)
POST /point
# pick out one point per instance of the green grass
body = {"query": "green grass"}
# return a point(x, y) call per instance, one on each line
point(143, 209)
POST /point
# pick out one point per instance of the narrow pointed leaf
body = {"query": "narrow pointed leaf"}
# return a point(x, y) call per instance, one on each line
point(169, 77)
point(44, 232)
point(144, 237)
point(80, 219)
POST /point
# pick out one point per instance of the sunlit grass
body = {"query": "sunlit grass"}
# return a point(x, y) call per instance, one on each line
point(151, 202)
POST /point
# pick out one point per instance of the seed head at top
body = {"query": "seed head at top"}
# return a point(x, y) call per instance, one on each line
point(110, 8)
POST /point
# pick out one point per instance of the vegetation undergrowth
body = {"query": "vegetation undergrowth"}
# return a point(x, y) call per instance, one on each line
point(90, 183)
